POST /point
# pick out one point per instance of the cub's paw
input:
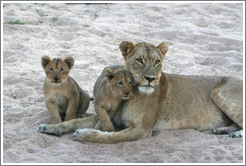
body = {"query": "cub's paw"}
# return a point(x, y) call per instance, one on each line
point(85, 134)
point(49, 129)
point(42, 128)
point(107, 127)
point(236, 134)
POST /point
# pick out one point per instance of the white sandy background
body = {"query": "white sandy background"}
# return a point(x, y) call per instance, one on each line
point(205, 39)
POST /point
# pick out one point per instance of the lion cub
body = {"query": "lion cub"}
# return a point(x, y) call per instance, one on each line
point(112, 87)
point(64, 98)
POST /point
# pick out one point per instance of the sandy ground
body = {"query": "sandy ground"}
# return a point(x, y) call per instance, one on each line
point(205, 39)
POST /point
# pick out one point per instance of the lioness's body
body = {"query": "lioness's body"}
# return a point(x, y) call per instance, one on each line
point(190, 103)
point(179, 108)
point(164, 101)
point(64, 98)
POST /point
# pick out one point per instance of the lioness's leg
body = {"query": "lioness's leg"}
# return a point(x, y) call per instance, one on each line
point(232, 130)
point(68, 126)
point(93, 135)
point(226, 130)
point(229, 97)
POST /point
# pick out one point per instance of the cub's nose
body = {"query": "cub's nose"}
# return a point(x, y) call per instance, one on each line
point(150, 79)
point(56, 78)
point(127, 93)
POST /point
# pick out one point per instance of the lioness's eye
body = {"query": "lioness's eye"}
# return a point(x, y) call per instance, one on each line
point(51, 69)
point(61, 69)
point(130, 83)
point(139, 60)
point(157, 62)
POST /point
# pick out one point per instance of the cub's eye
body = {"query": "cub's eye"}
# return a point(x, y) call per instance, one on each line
point(51, 69)
point(61, 69)
point(157, 62)
point(120, 83)
point(139, 61)
point(130, 83)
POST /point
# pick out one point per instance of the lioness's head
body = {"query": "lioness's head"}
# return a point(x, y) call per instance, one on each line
point(57, 69)
point(121, 82)
point(145, 62)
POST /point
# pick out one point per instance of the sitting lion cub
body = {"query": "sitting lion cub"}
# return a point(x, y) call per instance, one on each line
point(64, 98)
point(112, 87)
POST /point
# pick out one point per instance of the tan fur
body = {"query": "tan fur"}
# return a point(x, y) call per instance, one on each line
point(64, 98)
point(112, 88)
point(166, 101)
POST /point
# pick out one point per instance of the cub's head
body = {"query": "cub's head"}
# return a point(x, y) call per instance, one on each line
point(57, 69)
point(121, 82)
point(145, 62)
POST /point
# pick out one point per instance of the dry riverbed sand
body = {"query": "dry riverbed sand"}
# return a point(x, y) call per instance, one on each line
point(204, 39)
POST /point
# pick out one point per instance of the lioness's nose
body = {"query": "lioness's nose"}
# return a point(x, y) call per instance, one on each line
point(150, 79)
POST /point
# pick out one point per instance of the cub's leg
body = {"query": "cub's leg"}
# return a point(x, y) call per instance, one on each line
point(83, 105)
point(53, 109)
point(93, 135)
point(68, 126)
point(104, 123)
point(229, 97)
point(104, 126)
point(72, 109)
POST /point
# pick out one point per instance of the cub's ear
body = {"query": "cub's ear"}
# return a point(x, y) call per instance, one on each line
point(163, 47)
point(45, 60)
point(69, 61)
point(126, 48)
point(109, 73)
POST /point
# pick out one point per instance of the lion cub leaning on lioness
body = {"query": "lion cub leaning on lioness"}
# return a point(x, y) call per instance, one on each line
point(113, 86)
point(64, 98)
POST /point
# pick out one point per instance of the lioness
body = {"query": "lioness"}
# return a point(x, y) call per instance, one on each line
point(111, 89)
point(64, 98)
point(164, 101)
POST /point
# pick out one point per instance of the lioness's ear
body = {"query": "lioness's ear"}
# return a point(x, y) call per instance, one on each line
point(69, 61)
point(45, 60)
point(126, 48)
point(163, 47)
point(109, 73)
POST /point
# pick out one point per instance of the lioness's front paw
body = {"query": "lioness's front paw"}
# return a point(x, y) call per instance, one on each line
point(236, 134)
point(77, 132)
point(84, 134)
